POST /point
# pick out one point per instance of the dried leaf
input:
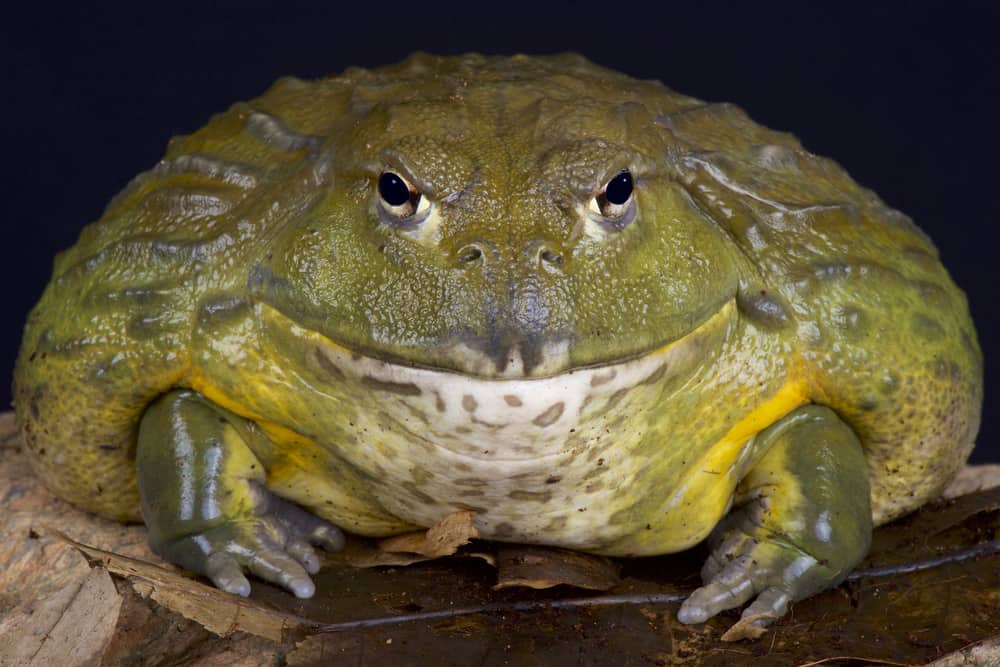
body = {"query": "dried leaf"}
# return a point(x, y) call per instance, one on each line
point(442, 539)
point(747, 628)
point(545, 567)
point(72, 627)
point(362, 553)
point(36, 568)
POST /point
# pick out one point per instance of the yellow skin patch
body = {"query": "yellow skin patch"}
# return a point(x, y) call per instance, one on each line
point(707, 493)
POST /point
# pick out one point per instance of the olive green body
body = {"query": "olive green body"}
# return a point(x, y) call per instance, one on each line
point(394, 380)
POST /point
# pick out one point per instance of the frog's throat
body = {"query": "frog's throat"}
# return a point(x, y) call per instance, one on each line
point(497, 394)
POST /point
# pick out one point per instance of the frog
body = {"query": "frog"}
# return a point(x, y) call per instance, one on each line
point(594, 313)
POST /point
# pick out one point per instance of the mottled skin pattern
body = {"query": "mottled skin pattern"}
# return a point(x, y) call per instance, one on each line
point(757, 333)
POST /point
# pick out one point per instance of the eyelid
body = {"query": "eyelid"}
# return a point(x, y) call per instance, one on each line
point(394, 162)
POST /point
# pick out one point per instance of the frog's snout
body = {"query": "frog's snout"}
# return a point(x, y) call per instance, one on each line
point(518, 283)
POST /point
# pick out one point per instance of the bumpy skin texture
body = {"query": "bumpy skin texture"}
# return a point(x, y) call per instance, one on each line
point(597, 384)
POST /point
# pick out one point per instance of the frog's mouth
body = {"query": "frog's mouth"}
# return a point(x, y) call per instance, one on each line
point(497, 346)
point(695, 348)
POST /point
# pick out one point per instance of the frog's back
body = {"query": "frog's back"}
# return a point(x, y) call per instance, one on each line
point(873, 323)
point(117, 324)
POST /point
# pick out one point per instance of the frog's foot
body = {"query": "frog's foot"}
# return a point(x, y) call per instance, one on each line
point(744, 564)
point(275, 544)
point(204, 499)
point(803, 521)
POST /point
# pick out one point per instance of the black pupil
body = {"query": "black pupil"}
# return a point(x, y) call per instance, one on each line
point(619, 188)
point(393, 189)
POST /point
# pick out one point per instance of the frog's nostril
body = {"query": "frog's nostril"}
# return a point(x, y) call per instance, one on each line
point(546, 253)
point(469, 254)
point(550, 256)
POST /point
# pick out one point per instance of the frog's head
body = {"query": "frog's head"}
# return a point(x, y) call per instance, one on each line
point(500, 217)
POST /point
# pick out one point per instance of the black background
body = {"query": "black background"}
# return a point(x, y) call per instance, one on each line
point(906, 97)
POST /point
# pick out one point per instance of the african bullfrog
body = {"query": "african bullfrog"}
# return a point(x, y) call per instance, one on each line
point(596, 313)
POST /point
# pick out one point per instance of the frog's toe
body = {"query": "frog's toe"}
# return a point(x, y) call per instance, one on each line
point(304, 553)
point(731, 589)
point(733, 547)
point(226, 574)
point(301, 526)
point(772, 603)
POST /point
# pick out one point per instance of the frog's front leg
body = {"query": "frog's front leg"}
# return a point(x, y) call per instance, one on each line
point(803, 520)
point(206, 505)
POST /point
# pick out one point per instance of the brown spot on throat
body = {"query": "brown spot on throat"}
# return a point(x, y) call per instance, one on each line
point(405, 389)
point(604, 378)
point(550, 416)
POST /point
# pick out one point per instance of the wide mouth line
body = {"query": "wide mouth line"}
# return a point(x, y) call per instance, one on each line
point(394, 361)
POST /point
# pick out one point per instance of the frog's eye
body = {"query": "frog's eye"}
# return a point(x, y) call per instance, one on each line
point(614, 201)
point(399, 198)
